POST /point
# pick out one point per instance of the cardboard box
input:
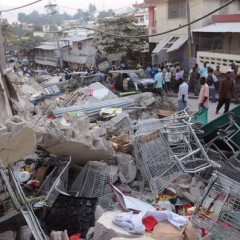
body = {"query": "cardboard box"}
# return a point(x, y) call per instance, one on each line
point(165, 231)
point(122, 144)
point(164, 113)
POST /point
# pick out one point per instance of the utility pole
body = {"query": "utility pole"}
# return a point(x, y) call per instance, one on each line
point(189, 30)
point(2, 53)
point(52, 10)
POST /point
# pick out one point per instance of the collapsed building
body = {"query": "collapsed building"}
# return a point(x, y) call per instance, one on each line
point(92, 165)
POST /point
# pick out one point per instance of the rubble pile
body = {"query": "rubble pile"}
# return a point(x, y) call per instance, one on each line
point(88, 164)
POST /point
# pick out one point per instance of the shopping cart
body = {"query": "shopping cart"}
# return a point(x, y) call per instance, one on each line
point(155, 160)
point(15, 211)
point(93, 182)
point(219, 209)
point(226, 136)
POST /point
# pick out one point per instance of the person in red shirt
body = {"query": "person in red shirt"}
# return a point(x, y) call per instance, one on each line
point(225, 92)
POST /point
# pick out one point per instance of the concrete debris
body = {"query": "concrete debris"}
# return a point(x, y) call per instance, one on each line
point(13, 148)
point(57, 145)
point(127, 167)
point(105, 229)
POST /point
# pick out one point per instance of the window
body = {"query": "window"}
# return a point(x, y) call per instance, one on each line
point(170, 43)
point(177, 9)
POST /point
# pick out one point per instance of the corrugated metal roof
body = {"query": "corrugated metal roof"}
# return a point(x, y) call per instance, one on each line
point(77, 38)
point(170, 43)
point(51, 45)
point(220, 27)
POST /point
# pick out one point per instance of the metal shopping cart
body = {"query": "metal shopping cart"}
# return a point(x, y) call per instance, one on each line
point(219, 209)
point(15, 211)
point(93, 181)
point(155, 160)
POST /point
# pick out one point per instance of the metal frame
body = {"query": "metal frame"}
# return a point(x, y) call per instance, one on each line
point(219, 209)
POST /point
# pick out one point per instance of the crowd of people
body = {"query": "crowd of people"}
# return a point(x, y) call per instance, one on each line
point(203, 81)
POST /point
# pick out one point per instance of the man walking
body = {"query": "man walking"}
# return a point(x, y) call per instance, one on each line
point(158, 82)
point(225, 92)
point(182, 95)
point(203, 98)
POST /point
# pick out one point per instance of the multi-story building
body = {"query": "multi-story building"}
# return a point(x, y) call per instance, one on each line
point(81, 52)
point(166, 15)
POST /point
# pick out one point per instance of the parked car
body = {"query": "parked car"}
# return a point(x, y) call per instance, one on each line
point(136, 80)
point(9, 58)
point(25, 63)
point(89, 79)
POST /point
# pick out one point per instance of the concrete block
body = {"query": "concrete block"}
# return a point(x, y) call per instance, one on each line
point(127, 167)
point(105, 229)
point(17, 145)
point(14, 124)
point(3, 129)
point(98, 212)
point(124, 188)
point(137, 238)
point(195, 191)
point(179, 192)
point(191, 198)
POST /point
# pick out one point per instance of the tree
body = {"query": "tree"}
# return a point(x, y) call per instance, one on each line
point(105, 14)
point(125, 26)
point(92, 8)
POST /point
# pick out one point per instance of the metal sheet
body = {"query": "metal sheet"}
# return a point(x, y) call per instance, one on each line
point(220, 27)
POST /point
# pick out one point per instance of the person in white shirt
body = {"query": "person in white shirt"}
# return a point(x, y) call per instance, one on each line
point(168, 79)
point(182, 95)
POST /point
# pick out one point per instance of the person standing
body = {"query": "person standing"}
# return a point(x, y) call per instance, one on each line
point(203, 98)
point(225, 92)
point(192, 77)
point(182, 95)
point(203, 70)
point(158, 82)
point(168, 80)
point(211, 82)
point(218, 74)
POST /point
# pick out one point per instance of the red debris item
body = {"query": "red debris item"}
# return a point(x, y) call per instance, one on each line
point(149, 223)
point(174, 180)
point(75, 236)
point(204, 232)
point(51, 117)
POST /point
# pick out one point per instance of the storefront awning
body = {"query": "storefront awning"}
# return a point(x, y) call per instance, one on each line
point(221, 28)
point(170, 43)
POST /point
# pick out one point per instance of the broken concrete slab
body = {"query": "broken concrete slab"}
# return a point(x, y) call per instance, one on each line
point(127, 167)
point(137, 238)
point(105, 229)
point(80, 152)
point(17, 145)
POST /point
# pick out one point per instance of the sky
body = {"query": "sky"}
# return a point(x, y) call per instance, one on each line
point(69, 6)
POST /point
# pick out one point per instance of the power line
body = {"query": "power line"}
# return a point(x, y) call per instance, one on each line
point(12, 9)
point(157, 34)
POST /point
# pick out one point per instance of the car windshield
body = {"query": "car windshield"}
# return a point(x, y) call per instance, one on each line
point(141, 74)
point(134, 76)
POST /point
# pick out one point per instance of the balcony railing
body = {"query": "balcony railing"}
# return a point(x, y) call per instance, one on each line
point(75, 59)
point(46, 61)
point(223, 60)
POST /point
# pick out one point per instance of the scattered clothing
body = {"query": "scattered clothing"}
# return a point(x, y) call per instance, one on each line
point(133, 222)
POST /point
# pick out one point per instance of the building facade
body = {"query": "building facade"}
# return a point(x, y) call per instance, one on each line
point(165, 15)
